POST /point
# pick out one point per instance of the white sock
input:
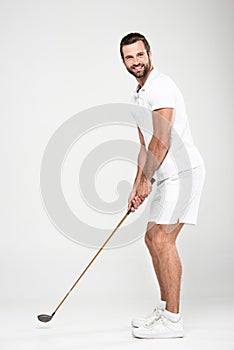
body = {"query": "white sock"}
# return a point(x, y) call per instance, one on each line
point(162, 305)
point(171, 316)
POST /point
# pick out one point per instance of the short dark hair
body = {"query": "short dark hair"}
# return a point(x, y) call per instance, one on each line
point(131, 38)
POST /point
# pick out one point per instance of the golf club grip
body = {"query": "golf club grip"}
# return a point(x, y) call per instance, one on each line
point(130, 210)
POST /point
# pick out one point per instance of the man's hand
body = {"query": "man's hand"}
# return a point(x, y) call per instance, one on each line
point(133, 201)
point(144, 188)
point(139, 194)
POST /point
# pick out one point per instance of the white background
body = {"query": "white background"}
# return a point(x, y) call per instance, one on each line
point(61, 57)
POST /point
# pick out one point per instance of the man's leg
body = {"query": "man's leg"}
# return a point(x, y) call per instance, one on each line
point(161, 242)
point(155, 260)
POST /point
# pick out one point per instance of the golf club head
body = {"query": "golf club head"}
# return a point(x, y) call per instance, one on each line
point(44, 318)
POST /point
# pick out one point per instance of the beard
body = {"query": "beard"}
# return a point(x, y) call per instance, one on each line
point(146, 68)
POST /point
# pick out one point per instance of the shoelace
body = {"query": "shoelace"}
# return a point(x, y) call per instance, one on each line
point(155, 316)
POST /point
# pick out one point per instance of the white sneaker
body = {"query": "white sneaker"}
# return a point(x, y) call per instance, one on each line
point(138, 322)
point(159, 329)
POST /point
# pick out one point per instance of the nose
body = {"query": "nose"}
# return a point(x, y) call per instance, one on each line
point(136, 61)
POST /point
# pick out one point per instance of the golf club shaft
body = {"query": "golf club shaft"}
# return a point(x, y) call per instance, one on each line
point(95, 256)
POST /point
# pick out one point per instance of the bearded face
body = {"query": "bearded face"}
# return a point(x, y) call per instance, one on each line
point(137, 60)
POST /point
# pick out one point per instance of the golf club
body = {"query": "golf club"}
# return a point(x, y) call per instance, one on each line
point(47, 318)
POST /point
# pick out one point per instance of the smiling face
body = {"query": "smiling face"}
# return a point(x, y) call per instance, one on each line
point(137, 60)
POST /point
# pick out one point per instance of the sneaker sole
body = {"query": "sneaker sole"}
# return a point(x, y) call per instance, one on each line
point(161, 336)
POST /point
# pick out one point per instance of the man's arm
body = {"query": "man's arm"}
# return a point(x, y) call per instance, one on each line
point(140, 165)
point(141, 158)
point(157, 150)
point(160, 142)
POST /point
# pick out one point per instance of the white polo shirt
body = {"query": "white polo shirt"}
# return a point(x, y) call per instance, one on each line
point(159, 91)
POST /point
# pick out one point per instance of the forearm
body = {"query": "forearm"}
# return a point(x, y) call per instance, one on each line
point(140, 164)
point(155, 155)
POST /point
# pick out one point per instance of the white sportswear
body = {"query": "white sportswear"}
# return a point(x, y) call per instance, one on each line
point(159, 91)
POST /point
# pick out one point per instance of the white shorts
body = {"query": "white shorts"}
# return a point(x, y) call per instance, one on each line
point(177, 198)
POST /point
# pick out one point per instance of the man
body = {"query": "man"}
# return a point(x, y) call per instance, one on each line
point(168, 155)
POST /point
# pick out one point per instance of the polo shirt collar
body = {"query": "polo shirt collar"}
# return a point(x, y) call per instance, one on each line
point(151, 76)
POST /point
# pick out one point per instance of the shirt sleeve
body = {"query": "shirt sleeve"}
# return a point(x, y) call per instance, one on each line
point(162, 94)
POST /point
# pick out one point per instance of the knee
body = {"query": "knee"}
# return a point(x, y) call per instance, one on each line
point(158, 239)
point(162, 241)
point(148, 241)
